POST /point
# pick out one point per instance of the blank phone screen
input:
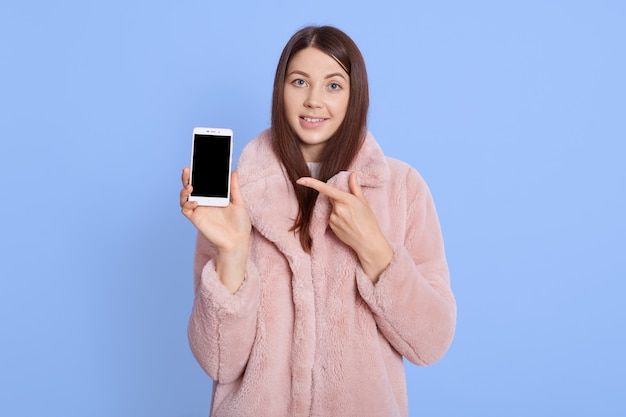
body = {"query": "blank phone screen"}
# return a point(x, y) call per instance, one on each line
point(211, 159)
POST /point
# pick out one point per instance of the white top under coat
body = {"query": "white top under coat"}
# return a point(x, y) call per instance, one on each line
point(314, 167)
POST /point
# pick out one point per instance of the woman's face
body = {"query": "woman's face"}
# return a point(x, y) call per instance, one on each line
point(316, 93)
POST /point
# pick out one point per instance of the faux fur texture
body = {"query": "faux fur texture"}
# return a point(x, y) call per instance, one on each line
point(310, 335)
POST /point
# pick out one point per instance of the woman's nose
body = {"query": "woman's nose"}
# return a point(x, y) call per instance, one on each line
point(313, 99)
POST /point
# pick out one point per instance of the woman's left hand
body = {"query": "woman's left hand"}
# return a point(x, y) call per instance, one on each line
point(354, 223)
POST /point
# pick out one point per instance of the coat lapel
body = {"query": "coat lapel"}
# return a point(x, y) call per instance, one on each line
point(269, 196)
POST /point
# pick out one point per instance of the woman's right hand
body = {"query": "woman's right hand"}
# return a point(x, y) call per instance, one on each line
point(225, 227)
point(228, 228)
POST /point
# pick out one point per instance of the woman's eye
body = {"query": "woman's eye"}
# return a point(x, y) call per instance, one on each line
point(334, 86)
point(299, 83)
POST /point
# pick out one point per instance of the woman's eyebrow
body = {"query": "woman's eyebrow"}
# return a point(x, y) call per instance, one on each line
point(298, 72)
point(335, 74)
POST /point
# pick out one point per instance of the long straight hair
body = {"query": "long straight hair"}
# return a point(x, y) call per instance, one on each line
point(343, 146)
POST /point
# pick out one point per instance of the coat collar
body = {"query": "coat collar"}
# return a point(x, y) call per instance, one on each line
point(270, 197)
point(258, 162)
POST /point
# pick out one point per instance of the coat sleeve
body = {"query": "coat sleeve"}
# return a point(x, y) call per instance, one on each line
point(412, 301)
point(222, 325)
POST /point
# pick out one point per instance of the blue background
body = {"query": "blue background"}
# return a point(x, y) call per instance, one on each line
point(513, 111)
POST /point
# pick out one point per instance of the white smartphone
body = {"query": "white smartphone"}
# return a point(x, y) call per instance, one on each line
point(211, 157)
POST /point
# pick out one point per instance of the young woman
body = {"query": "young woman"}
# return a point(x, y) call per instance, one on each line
point(328, 266)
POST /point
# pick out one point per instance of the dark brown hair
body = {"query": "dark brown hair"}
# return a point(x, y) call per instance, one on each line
point(343, 146)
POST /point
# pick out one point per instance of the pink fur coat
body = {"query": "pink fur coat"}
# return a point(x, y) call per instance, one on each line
point(310, 335)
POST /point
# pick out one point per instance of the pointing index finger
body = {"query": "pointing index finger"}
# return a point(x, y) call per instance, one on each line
point(328, 190)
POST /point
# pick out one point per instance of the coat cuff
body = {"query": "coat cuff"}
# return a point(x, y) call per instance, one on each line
point(238, 305)
point(389, 285)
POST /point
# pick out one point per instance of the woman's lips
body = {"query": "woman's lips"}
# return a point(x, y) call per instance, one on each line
point(311, 122)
